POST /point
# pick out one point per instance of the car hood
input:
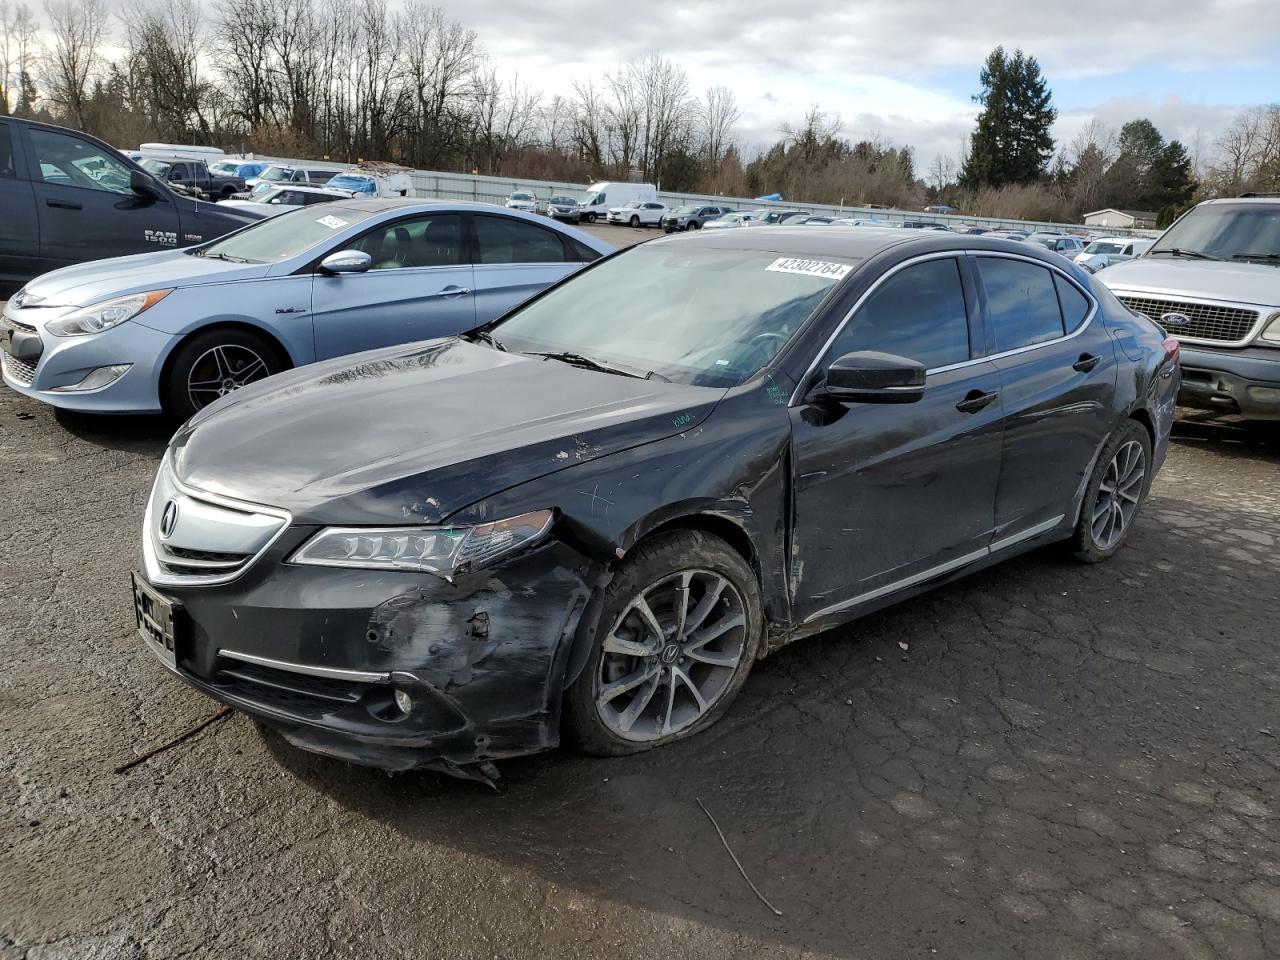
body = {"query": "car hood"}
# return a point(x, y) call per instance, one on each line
point(1172, 277)
point(411, 435)
point(85, 283)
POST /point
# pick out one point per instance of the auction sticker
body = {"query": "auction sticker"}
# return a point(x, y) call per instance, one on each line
point(333, 223)
point(811, 268)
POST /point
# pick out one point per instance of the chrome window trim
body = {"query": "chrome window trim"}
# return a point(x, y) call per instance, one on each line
point(1264, 314)
point(953, 564)
point(329, 673)
point(972, 361)
point(155, 572)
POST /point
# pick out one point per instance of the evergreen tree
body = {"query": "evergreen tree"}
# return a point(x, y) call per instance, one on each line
point(1169, 182)
point(1012, 142)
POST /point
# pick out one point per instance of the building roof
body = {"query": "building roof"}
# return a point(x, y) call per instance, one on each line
point(1131, 214)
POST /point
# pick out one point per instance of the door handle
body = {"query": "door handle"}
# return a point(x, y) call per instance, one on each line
point(974, 401)
point(452, 292)
point(64, 204)
point(1086, 362)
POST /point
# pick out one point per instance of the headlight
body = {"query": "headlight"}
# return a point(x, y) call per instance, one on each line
point(442, 550)
point(105, 315)
point(1271, 332)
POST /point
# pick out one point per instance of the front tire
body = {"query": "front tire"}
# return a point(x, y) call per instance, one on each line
point(635, 221)
point(1117, 488)
point(213, 364)
point(680, 627)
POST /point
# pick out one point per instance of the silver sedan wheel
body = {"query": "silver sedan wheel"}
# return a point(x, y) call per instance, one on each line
point(670, 655)
point(1118, 495)
point(222, 369)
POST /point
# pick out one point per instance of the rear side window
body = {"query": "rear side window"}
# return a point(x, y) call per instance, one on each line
point(6, 152)
point(507, 240)
point(918, 313)
point(1075, 305)
point(1022, 302)
point(580, 251)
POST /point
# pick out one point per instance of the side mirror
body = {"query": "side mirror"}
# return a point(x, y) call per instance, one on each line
point(872, 377)
point(346, 261)
point(142, 185)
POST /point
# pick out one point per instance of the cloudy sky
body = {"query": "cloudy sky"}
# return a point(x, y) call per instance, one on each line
point(905, 69)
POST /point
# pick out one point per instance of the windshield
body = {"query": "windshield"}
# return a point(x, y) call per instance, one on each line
point(158, 167)
point(687, 210)
point(705, 317)
point(285, 236)
point(591, 198)
point(346, 181)
point(1239, 231)
point(563, 201)
point(223, 168)
point(276, 174)
point(1104, 246)
point(1049, 243)
point(521, 196)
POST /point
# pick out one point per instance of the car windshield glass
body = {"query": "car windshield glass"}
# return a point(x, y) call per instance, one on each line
point(1049, 243)
point(223, 169)
point(276, 173)
point(705, 316)
point(285, 236)
point(590, 198)
point(521, 196)
point(563, 201)
point(345, 181)
point(1102, 246)
point(158, 167)
point(686, 209)
point(1226, 231)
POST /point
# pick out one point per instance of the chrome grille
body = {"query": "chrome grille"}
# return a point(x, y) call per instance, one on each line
point(191, 537)
point(1219, 323)
point(16, 370)
point(12, 324)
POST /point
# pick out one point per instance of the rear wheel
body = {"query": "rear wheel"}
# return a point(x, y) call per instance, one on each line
point(678, 633)
point(1117, 488)
point(214, 363)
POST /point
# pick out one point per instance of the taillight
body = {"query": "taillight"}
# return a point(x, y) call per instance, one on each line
point(1173, 349)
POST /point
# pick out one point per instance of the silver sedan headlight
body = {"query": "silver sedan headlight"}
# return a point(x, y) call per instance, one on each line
point(105, 315)
point(440, 550)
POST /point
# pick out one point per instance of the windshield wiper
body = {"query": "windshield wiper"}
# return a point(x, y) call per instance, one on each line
point(578, 360)
point(227, 257)
point(1190, 254)
point(487, 337)
point(1255, 256)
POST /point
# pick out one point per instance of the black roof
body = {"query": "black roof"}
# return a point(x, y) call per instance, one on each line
point(853, 243)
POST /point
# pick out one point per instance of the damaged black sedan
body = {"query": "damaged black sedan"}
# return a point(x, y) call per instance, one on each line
point(589, 519)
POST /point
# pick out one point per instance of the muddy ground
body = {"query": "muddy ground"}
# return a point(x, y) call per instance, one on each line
point(1065, 761)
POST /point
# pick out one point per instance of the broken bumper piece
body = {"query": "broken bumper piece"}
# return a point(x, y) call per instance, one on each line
point(398, 671)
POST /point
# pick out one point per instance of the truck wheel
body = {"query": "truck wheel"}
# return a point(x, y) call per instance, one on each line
point(589, 217)
point(214, 363)
point(227, 192)
point(680, 627)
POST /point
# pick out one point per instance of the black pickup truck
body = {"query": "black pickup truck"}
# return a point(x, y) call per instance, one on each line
point(195, 176)
point(66, 197)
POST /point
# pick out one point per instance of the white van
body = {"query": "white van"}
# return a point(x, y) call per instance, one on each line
point(596, 200)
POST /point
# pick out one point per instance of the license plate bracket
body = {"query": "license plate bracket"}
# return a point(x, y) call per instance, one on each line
point(159, 620)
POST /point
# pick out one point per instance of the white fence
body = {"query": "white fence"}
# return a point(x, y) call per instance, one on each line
point(437, 185)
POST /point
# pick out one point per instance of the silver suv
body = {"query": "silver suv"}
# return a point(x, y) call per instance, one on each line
point(1212, 280)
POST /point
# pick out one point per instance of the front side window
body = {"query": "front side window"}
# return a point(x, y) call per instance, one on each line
point(7, 167)
point(427, 241)
point(1022, 302)
point(507, 240)
point(701, 316)
point(918, 313)
point(73, 162)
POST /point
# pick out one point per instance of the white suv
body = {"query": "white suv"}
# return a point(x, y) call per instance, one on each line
point(639, 213)
point(1212, 280)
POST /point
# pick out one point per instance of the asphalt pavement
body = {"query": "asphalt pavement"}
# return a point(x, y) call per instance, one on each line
point(1043, 760)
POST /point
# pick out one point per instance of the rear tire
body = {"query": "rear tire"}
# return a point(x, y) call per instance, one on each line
point(1117, 489)
point(214, 363)
point(639, 693)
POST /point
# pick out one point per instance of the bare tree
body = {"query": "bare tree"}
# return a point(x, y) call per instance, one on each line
point(590, 124)
point(718, 114)
point(77, 31)
point(243, 58)
point(164, 43)
point(440, 61)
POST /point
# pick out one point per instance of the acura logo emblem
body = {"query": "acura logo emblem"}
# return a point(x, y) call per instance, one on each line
point(1174, 320)
point(168, 519)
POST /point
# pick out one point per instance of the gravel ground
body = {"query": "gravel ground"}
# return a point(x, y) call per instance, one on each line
point(1043, 760)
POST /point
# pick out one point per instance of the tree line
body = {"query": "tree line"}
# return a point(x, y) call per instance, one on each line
point(360, 79)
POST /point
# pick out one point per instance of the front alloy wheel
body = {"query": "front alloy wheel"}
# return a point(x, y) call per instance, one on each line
point(222, 369)
point(670, 655)
point(679, 628)
point(212, 364)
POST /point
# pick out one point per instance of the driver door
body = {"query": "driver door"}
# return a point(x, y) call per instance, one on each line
point(889, 492)
point(419, 287)
point(86, 207)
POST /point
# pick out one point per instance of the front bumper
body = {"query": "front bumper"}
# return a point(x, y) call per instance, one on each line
point(1244, 382)
point(318, 653)
point(65, 361)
